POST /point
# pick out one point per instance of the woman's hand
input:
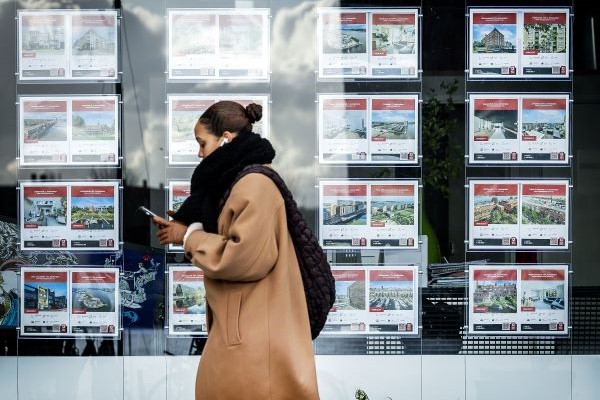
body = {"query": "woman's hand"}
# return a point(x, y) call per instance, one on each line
point(170, 232)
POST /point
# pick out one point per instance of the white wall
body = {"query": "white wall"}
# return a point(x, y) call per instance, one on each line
point(81, 378)
point(382, 377)
point(395, 377)
point(8, 377)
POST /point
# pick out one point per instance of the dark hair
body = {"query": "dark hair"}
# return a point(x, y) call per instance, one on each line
point(230, 116)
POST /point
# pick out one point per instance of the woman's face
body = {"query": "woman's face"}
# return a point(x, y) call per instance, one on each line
point(207, 141)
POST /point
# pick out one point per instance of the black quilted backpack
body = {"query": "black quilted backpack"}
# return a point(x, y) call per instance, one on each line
point(318, 281)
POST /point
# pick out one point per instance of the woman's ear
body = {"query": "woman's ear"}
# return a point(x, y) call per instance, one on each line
point(228, 135)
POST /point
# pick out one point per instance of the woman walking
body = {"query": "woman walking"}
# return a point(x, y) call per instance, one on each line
point(259, 343)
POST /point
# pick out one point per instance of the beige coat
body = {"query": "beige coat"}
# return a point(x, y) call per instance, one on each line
point(259, 344)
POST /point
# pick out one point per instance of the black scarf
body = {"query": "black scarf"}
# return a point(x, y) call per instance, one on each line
point(215, 174)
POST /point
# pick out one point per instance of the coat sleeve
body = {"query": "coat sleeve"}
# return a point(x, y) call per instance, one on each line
point(245, 249)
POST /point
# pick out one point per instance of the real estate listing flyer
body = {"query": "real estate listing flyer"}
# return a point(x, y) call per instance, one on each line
point(546, 37)
point(68, 44)
point(44, 209)
point(187, 301)
point(374, 300)
point(361, 129)
point(42, 50)
point(494, 128)
point(519, 129)
point(69, 215)
point(44, 301)
point(544, 299)
point(545, 133)
point(94, 215)
point(343, 214)
point(494, 214)
point(183, 113)
point(69, 131)
point(493, 43)
point(244, 46)
point(518, 299)
point(94, 51)
point(95, 131)
point(369, 214)
point(94, 302)
point(493, 306)
point(178, 192)
point(394, 214)
point(63, 301)
point(394, 43)
point(43, 131)
point(368, 43)
point(544, 214)
point(193, 41)
point(218, 44)
point(394, 133)
point(343, 129)
point(393, 300)
point(342, 43)
point(349, 312)
point(519, 43)
point(519, 214)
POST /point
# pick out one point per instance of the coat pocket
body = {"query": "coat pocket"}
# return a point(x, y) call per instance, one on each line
point(234, 304)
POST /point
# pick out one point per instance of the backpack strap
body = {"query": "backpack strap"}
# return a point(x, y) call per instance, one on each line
point(252, 169)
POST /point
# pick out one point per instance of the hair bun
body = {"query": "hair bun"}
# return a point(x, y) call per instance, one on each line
point(254, 112)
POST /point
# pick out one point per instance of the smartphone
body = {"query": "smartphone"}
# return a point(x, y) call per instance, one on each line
point(148, 212)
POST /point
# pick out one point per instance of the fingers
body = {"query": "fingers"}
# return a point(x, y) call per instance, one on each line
point(170, 232)
point(159, 221)
point(163, 235)
point(170, 213)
